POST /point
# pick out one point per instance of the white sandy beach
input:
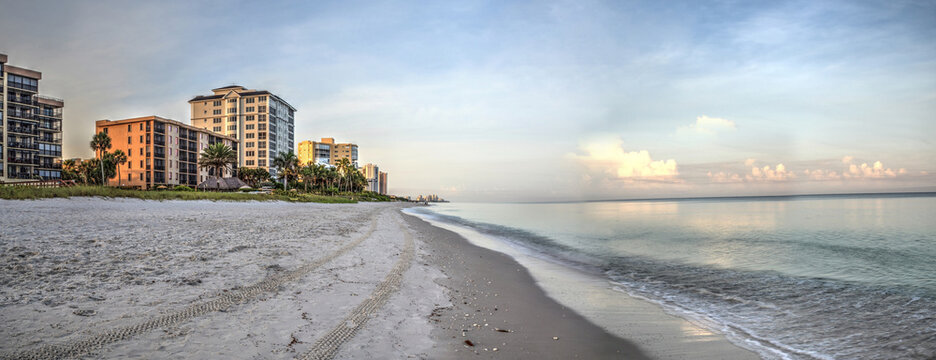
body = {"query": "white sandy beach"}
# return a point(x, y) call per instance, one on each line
point(119, 278)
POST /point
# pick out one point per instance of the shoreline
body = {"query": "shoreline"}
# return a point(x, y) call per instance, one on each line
point(633, 327)
point(496, 293)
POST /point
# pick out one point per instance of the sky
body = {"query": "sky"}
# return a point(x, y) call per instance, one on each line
point(529, 101)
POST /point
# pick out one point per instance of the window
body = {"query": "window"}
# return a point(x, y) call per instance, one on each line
point(249, 153)
point(129, 165)
point(141, 140)
point(232, 110)
point(261, 127)
point(216, 129)
point(249, 145)
point(250, 118)
point(232, 127)
point(216, 112)
point(250, 109)
point(250, 162)
point(261, 162)
point(232, 118)
point(141, 176)
point(129, 128)
point(141, 126)
point(249, 126)
point(129, 139)
point(261, 118)
point(261, 144)
point(250, 100)
point(232, 100)
point(262, 153)
point(250, 135)
point(261, 108)
point(262, 98)
point(217, 103)
point(141, 162)
point(141, 151)
point(262, 136)
point(217, 120)
point(105, 130)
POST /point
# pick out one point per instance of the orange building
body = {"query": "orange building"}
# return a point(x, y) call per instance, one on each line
point(160, 151)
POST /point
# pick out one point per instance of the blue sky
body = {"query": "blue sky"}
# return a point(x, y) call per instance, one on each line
point(530, 100)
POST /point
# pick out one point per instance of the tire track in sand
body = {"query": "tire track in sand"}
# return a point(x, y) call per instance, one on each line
point(327, 346)
point(85, 345)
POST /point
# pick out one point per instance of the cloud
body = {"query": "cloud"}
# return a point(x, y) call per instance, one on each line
point(874, 171)
point(723, 177)
point(847, 159)
point(750, 162)
point(709, 125)
point(778, 173)
point(820, 174)
point(610, 158)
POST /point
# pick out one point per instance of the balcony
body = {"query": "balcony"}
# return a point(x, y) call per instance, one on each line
point(20, 86)
point(30, 101)
point(28, 161)
point(20, 175)
point(22, 115)
point(50, 165)
point(160, 128)
point(22, 145)
point(23, 130)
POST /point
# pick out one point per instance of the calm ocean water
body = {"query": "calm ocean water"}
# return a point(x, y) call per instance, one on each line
point(800, 278)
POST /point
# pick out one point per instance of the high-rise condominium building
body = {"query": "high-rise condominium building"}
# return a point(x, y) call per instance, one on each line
point(160, 151)
point(260, 120)
point(371, 175)
point(327, 151)
point(30, 127)
point(383, 183)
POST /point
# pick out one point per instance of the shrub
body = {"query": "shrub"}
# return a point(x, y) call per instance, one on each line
point(182, 188)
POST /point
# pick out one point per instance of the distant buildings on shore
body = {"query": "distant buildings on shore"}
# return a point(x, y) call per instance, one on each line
point(160, 151)
point(257, 124)
point(263, 122)
point(326, 151)
point(429, 198)
point(30, 127)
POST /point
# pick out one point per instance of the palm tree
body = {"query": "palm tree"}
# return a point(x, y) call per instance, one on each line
point(344, 166)
point(69, 169)
point(100, 143)
point(120, 158)
point(286, 163)
point(218, 157)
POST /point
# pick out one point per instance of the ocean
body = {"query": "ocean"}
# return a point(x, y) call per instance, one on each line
point(808, 277)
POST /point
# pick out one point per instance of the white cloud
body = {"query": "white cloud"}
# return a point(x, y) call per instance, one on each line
point(750, 162)
point(778, 173)
point(723, 177)
point(610, 158)
point(709, 125)
point(847, 159)
point(873, 171)
point(820, 174)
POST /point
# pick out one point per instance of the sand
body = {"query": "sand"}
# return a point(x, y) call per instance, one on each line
point(122, 278)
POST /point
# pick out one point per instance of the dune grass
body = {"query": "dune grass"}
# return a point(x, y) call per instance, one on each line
point(33, 193)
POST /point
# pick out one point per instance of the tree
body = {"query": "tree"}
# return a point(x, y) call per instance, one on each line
point(119, 158)
point(218, 157)
point(286, 163)
point(70, 170)
point(345, 167)
point(100, 143)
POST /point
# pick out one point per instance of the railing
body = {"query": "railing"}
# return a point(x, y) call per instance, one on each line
point(22, 145)
point(43, 183)
point(48, 165)
point(20, 86)
point(23, 115)
point(22, 161)
point(23, 130)
point(22, 100)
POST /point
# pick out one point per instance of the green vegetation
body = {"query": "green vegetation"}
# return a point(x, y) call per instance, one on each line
point(33, 193)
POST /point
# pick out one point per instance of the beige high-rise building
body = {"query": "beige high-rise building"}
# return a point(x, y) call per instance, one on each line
point(371, 175)
point(262, 122)
point(326, 151)
point(160, 151)
point(30, 127)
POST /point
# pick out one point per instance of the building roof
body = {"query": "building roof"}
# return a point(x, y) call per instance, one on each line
point(208, 97)
point(227, 87)
point(229, 183)
point(106, 122)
